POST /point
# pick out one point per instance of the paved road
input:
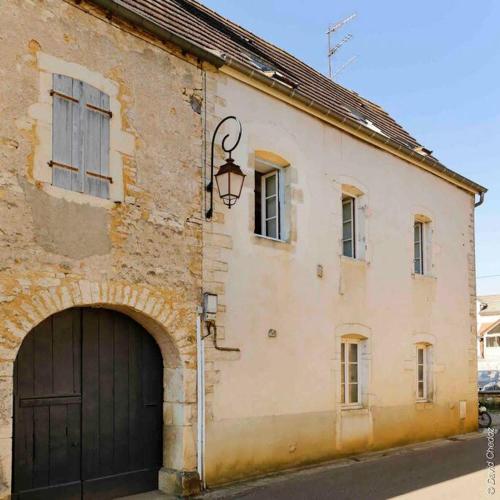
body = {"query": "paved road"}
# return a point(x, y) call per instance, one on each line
point(445, 469)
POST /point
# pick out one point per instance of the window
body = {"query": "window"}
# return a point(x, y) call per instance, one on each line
point(80, 137)
point(422, 372)
point(269, 204)
point(349, 373)
point(418, 248)
point(493, 341)
point(348, 227)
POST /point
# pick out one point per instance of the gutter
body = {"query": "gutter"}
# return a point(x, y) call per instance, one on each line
point(431, 163)
point(219, 59)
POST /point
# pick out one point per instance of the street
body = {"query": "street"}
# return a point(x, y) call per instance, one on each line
point(454, 468)
point(445, 468)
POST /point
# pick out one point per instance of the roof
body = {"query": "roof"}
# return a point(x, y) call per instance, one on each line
point(493, 303)
point(207, 34)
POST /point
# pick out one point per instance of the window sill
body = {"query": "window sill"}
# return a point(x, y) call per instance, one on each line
point(353, 261)
point(424, 277)
point(77, 197)
point(347, 410)
point(424, 404)
point(268, 238)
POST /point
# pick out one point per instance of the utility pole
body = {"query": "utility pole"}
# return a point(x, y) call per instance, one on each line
point(333, 49)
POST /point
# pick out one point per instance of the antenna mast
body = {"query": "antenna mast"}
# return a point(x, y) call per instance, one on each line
point(332, 50)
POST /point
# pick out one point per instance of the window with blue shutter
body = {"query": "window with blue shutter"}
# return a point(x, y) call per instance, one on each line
point(80, 137)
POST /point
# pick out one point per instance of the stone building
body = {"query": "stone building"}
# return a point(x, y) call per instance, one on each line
point(126, 240)
point(344, 274)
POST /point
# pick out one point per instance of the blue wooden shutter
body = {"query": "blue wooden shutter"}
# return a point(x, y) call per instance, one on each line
point(96, 118)
point(66, 134)
point(80, 137)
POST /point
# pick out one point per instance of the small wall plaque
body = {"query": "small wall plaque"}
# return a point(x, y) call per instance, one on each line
point(319, 271)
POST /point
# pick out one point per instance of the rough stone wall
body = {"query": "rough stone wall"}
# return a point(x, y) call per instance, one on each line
point(55, 252)
point(217, 247)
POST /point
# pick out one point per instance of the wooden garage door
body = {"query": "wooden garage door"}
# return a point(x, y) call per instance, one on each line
point(88, 393)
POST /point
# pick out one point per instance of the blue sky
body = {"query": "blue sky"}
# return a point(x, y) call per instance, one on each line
point(434, 65)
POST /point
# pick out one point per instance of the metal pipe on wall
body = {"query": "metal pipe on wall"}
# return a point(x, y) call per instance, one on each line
point(200, 351)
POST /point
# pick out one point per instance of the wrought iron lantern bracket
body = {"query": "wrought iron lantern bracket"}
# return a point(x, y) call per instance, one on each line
point(229, 150)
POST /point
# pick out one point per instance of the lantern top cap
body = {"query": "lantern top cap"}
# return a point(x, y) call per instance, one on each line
point(230, 167)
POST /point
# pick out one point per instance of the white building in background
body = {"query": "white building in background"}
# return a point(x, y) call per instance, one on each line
point(488, 341)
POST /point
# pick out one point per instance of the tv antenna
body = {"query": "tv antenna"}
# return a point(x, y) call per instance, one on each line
point(332, 50)
point(344, 66)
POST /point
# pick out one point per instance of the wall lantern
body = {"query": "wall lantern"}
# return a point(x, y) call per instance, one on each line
point(229, 178)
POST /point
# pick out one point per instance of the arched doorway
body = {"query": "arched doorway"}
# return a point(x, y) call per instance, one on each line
point(88, 405)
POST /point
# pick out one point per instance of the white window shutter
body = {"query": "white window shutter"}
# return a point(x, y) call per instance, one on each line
point(284, 235)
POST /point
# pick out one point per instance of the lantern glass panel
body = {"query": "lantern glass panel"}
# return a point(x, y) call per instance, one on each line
point(223, 184)
point(236, 184)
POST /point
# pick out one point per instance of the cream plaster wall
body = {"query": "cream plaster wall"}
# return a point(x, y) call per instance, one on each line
point(276, 404)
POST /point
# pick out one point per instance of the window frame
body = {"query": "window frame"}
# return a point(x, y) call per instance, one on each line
point(345, 394)
point(425, 373)
point(420, 242)
point(278, 204)
point(492, 336)
point(351, 200)
point(122, 141)
point(264, 168)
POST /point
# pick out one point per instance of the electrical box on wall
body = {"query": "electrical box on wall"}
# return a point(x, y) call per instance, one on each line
point(209, 306)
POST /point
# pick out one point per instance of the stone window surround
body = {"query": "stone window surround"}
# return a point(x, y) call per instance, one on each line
point(353, 188)
point(266, 162)
point(362, 334)
point(424, 216)
point(419, 339)
point(121, 142)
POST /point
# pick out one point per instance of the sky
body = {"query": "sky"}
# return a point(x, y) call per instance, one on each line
point(434, 65)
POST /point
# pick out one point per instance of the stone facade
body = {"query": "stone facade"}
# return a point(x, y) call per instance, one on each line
point(139, 252)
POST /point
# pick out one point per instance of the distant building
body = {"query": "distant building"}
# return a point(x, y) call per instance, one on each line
point(488, 342)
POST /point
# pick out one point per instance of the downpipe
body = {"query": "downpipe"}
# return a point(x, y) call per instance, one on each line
point(201, 421)
point(200, 353)
point(480, 201)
